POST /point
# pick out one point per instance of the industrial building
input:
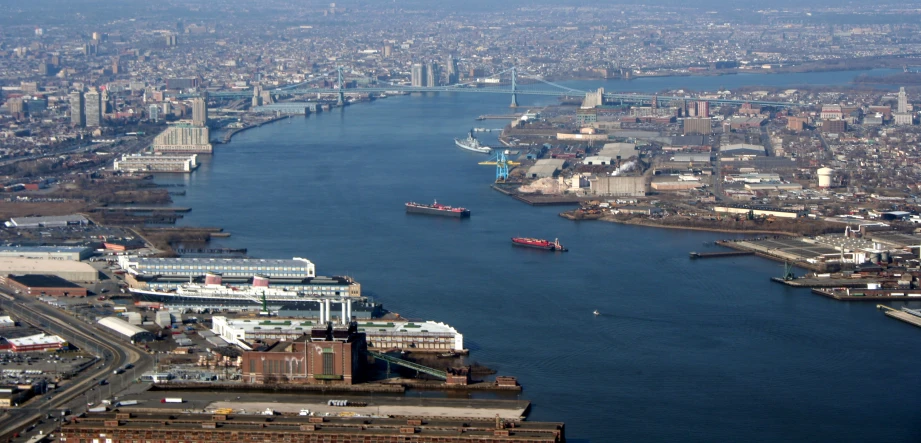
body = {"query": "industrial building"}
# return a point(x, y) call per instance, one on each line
point(156, 163)
point(758, 211)
point(296, 268)
point(131, 332)
point(697, 126)
point(68, 270)
point(167, 427)
point(545, 168)
point(73, 253)
point(380, 334)
point(617, 186)
point(35, 343)
point(51, 221)
point(47, 285)
point(327, 356)
point(183, 138)
point(619, 151)
point(741, 151)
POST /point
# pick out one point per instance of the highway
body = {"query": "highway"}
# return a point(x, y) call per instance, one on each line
point(113, 353)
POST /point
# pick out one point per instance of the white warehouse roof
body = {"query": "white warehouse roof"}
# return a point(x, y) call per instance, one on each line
point(122, 327)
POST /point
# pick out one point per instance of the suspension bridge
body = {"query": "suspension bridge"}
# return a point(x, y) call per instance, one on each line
point(510, 82)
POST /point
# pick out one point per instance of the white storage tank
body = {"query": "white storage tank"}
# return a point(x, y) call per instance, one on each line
point(825, 175)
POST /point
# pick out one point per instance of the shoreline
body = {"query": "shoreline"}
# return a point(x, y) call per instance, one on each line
point(686, 228)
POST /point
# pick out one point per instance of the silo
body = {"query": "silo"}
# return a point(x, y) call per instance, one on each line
point(825, 177)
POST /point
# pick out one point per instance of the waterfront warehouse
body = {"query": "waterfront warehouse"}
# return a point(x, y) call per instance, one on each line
point(228, 267)
point(66, 269)
point(381, 335)
point(174, 428)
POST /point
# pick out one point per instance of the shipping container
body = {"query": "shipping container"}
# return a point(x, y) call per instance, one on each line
point(171, 400)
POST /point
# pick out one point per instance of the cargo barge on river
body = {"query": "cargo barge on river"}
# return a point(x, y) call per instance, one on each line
point(437, 209)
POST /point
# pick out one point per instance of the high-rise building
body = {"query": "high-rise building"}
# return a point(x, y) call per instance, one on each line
point(199, 112)
point(16, 106)
point(903, 100)
point(432, 75)
point(453, 72)
point(183, 138)
point(388, 50)
point(77, 115)
point(93, 103)
point(171, 40)
point(418, 74)
point(697, 125)
point(703, 109)
point(153, 113)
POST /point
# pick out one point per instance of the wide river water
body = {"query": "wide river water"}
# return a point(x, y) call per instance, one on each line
point(684, 350)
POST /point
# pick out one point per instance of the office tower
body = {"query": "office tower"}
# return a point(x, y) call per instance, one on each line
point(453, 72)
point(432, 75)
point(153, 112)
point(903, 100)
point(16, 106)
point(171, 40)
point(703, 109)
point(199, 112)
point(93, 103)
point(418, 74)
point(388, 50)
point(77, 115)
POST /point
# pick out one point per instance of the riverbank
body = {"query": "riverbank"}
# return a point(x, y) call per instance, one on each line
point(651, 223)
point(229, 135)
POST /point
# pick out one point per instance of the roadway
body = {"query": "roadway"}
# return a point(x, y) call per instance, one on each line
point(112, 352)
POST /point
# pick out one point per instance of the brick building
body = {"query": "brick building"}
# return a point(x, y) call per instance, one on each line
point(326, 356)
point(174, 428)
point(37, 285)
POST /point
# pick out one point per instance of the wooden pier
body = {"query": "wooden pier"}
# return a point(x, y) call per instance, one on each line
point(695, 255)
point(901, 315)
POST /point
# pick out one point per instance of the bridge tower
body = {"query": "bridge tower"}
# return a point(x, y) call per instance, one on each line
point(514, 89)
point(340, 100)
point(501, 165)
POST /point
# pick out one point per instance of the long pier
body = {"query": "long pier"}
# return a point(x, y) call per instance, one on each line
point(901, 315)
point(499, 117)
point(142, 209)
point(695, 255)
point(869, 295)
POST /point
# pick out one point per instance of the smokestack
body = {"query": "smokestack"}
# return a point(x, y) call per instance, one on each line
point(261, 281)
point(212, 278)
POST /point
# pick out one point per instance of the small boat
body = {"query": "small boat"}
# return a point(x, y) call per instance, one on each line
point(596, 312)
point(539, 243)
point(447, 355)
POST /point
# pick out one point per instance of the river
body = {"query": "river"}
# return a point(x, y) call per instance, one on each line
point(684, 350)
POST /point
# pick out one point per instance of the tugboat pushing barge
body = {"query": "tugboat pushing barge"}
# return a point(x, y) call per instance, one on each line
point(539, 243)
point(437, 209)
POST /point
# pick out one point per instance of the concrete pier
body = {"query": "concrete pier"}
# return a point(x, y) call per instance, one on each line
point(901, 315)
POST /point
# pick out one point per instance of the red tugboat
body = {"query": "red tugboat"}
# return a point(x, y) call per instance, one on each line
point(437, 209)
point(539, 243)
